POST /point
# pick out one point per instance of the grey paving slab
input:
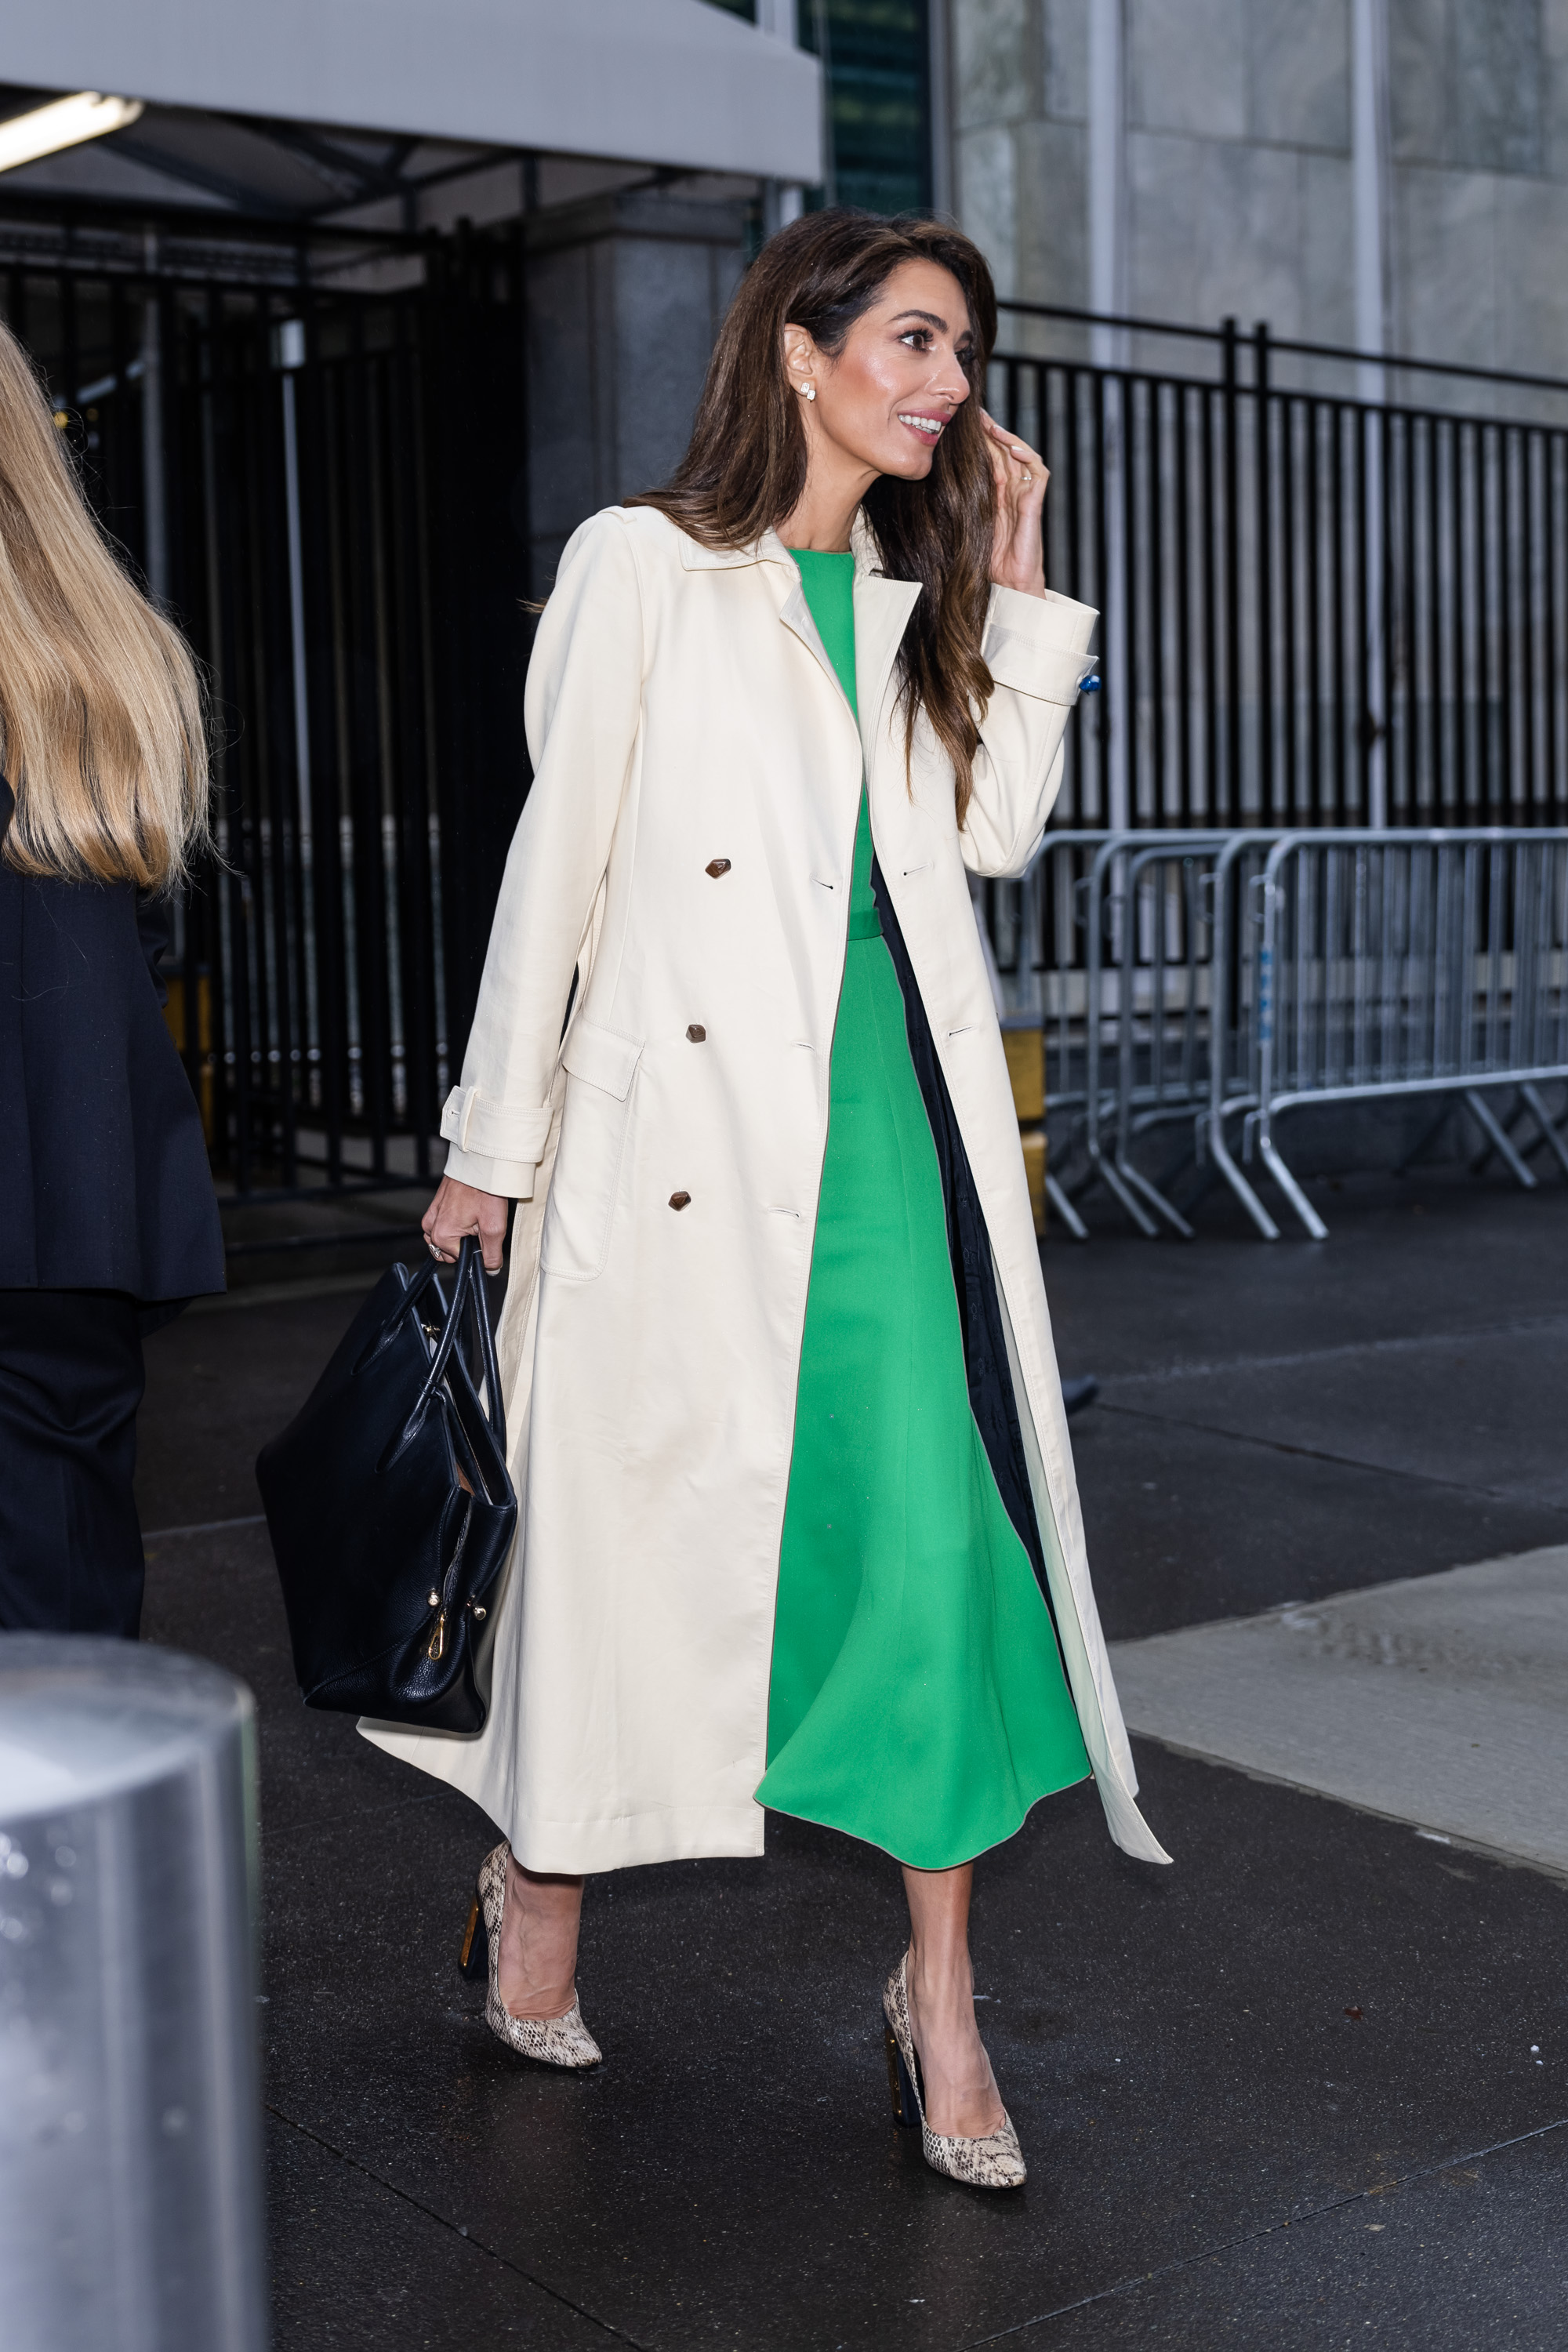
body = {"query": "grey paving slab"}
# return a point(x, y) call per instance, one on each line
point(1185, 1523)
point(1486, 1410)
point(1470, 2253)
point(1441, 1701)
point(1434, 1252)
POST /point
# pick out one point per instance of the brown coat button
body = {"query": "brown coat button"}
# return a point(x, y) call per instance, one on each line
point(717, 865)
point(678, 1200)
point(696, 1032)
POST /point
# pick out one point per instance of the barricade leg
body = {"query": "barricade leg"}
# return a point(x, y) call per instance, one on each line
point(1288, 1184)
point(1155, 1198)
point(1550, 1134)
point(1497, 1136)
point(1065, 1209)
point(1235, 1179)
point(1110, 1175)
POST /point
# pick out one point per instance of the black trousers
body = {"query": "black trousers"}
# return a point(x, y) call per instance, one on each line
point(70, 1380)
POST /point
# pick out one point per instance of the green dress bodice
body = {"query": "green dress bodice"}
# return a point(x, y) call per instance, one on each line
point(916, 1697)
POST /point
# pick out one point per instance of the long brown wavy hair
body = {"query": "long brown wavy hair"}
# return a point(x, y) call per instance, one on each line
point(745, 468)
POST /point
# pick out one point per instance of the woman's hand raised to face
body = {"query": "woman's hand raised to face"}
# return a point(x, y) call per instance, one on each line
point(458, 1209)
point(1017, 547)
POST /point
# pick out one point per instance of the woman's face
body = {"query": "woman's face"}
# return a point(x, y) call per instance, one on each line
point(884, 403)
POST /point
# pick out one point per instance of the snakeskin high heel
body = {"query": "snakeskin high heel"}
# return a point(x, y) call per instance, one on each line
point(996, 2161)
point(552, 2041)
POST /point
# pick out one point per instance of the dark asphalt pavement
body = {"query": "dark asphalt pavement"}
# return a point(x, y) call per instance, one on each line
point(1222, 2154)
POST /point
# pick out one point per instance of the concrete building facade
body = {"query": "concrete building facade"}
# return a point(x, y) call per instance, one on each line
point(638, 146)
point(1391, 173)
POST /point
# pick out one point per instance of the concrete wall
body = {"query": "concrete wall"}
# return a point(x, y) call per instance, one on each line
point(626, 292)
point(1236, 137)
point(1478, 99)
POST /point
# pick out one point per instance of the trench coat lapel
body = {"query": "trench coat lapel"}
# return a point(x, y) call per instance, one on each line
point(882, 612)
point(883, 609)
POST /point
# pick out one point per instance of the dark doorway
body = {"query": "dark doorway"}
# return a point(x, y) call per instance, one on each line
point(323, 481)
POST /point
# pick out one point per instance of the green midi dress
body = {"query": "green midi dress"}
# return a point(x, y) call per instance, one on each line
point(917, 1697)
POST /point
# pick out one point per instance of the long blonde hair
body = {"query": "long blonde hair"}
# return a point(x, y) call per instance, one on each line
point(101, 735)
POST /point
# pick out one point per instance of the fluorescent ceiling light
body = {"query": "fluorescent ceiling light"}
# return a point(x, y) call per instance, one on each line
point(64, 123)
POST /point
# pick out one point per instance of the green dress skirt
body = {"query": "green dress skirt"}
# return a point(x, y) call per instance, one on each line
point(917, 1697)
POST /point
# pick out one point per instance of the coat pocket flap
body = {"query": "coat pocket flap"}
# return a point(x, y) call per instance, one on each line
point(603, 1057)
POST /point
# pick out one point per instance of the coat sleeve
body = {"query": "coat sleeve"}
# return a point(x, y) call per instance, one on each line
point(1036, 648)
point(584, 707)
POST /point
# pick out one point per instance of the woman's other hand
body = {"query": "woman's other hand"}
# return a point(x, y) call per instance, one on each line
point(458, 1209)
point(1020, 474)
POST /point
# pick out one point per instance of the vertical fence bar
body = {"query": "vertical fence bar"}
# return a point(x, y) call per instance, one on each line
point(1290, 682)
point(1437, 725)
point(1155, 570)
point(1208, 525)
point(1339, 695)
point(1329, 815)
point(1263, 435)
point(1181, 541)
point(1536, 812)
point(1554, 665)
point(1231, 814)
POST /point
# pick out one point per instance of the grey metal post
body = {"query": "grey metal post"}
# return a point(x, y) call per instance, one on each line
point(130, 2213)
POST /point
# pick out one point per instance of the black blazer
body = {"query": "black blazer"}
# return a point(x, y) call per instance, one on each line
point(103, 1173)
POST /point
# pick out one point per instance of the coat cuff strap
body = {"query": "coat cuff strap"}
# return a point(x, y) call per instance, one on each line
point(1039, 645)
point(495, 1130)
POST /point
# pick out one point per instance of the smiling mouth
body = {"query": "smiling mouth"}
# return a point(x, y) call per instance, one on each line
point(929, 428)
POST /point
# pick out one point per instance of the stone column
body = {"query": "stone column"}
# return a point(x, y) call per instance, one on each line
point(626, 292)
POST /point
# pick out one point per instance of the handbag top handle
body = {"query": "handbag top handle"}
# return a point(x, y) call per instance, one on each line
point(468, 1291)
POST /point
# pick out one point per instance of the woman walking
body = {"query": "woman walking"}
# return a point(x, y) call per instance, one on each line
point(109, 1221)
point(799, 1525)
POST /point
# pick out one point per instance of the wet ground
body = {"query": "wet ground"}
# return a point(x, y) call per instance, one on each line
point(1306, 2089)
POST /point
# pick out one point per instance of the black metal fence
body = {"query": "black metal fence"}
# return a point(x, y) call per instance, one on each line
point(325, 483)
point(1333, 591)
point(1325, 600)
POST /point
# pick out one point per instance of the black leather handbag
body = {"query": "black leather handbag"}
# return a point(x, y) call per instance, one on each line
point(390, 1506)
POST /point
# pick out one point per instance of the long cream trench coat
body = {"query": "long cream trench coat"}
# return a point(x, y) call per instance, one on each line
point(686, 848)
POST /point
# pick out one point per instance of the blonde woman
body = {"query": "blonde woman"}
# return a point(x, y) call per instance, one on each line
point(109, 1221)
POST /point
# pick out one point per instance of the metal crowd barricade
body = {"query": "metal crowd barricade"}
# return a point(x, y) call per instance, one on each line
point(1037, 930)
point(1060, 882)
point(1235, 976)
point(1387, 965)
point(1114, 926)
point(1225, 977)
point(1149, 924)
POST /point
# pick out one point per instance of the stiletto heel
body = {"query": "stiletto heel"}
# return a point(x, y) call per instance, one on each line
point(906, 2113)
point(995, 2161)
point(474, 1959)
point(551, 2041)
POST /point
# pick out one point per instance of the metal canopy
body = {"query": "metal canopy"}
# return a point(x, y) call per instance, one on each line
point(265, 169)
point(672, 82)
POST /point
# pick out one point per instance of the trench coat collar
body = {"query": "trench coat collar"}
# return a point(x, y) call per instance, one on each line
point(883, 608)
